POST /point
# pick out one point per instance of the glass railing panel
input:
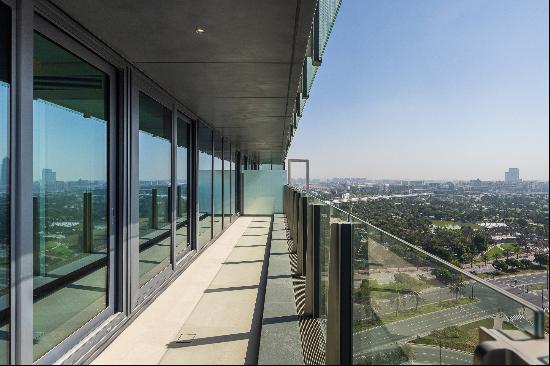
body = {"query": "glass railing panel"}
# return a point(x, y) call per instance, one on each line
point(408, 305)
point(338, 215)
point(324, 259)
point(263, 191)
point(411, 307)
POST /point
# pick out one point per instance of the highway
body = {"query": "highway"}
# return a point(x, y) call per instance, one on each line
point(518, 284)
point(422, 354)
point(490, 303)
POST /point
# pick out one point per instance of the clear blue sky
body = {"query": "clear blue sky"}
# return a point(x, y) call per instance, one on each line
point(431, 89)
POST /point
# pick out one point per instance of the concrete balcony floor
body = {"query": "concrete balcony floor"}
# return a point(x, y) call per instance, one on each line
point(215, 304)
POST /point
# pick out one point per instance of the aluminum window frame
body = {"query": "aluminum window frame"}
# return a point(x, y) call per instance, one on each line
point(140, 294)
point(179, 257)
point(11, 134)
point(88, 341)
point(68, 43)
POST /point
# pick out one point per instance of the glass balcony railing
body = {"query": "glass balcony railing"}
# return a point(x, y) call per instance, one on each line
point(398, 303)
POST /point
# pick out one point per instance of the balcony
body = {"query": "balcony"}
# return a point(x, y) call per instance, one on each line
point(317, 285)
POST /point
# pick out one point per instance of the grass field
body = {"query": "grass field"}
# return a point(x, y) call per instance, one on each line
point(498, 250)
point(463, 338)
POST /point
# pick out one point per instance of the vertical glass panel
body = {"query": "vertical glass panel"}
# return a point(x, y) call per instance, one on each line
point(70, 226)
point(233, 181)
point(324, 259)
point(263, 191)
point(226, 184)
point(5, 80)
point(406, 304)
point(204, 227)
point(218, 181)
point(155, 131)
point(182, 189)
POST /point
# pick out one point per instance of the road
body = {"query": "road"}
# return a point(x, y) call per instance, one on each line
point(422, 354)
point(408, 329)
point(518, 285)
point(406, 301)
point(490, 303)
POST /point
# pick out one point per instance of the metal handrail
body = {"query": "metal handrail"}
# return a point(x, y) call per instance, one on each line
point(538, 312)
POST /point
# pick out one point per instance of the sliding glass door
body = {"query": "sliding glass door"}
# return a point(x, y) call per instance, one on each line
point(226, 183)
point(5, 122)
point(72, 190)
point(204, 186)
point(182, 187)
point(218, 184)
point(155, 175)
point(234, 181)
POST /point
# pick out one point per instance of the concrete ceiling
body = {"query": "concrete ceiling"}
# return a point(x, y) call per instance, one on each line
point(240, 76)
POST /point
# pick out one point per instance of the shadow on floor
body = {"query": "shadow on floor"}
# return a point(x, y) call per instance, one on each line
point(237, 288)
point(312, 337)
point(211, 340)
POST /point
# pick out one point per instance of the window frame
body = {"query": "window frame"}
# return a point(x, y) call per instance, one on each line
point(68, 43)
point(179, 257)
point(11, 145)
point(122, 83)
point(139, 294)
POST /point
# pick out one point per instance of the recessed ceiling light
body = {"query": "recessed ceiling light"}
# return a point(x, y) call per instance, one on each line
point(199, 30)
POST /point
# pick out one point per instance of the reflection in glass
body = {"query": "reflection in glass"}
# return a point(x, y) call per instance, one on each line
point(70, 226)
point(204, 227)
point(182, 192)
point(226, 184)
point(218, 181)
point(5, 79)
point(155, 141)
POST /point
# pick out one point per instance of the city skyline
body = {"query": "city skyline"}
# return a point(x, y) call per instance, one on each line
point(299, 172)
point(439, 90)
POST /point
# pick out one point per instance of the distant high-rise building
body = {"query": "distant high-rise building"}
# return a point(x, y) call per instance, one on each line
point(49, 178)
point(512, 176)
point(4, 173)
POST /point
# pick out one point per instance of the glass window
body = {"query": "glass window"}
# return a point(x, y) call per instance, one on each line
point(5, 81)
point(233, 181)
point(218, 184)
point(182, 189)
point(226, 184)
point(204, 227)
point(155, 171)
point(70, 200)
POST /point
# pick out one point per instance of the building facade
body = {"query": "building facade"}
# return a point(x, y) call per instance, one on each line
point(512, 176)
point(124, 129)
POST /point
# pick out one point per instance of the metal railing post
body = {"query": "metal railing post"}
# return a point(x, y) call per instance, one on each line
point(39, 249)
point(294, 223)
point(178, 201)
point(284, 199)
point(154, 212)
point(311, 306)
point(300, 239)
point(339, 314)
point(87, 228)
point(302, 235)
